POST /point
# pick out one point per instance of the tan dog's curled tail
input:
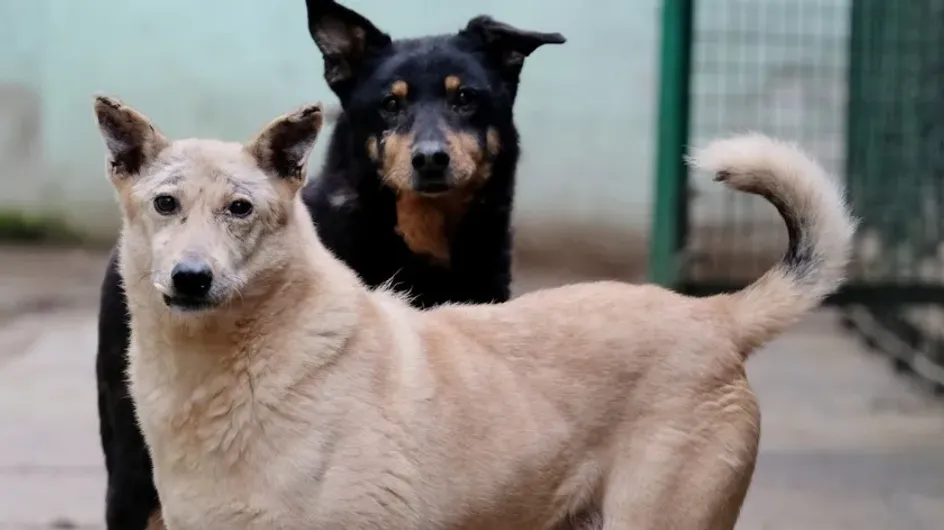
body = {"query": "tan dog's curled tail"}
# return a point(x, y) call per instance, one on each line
point(819, 225)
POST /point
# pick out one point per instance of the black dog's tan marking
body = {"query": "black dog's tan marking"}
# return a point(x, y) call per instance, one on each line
point(452, 83)
point(400, 89)
point(373, 149)
point(397, 170)
point(427, 224)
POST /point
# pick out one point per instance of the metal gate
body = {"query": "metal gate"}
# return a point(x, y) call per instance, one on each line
point(858, 83)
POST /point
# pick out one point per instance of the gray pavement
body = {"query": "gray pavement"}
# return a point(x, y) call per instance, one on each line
point(846, 444)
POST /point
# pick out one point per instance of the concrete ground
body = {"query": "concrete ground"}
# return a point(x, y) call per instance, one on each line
point(846, 444)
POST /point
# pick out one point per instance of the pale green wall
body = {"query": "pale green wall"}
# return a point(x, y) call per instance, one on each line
point(586, 109)
point(224, 67)
point(22, 44)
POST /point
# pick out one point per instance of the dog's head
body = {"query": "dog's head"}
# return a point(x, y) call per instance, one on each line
point(428, 112)
point(204, 218)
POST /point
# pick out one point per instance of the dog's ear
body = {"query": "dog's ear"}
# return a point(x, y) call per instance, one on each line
point(346, 40)
point(130, 138)
point(282, 147)
point(507, 45)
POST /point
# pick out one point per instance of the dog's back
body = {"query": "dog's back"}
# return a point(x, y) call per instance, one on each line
point(820, 230)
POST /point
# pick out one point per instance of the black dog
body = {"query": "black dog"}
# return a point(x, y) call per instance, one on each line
point(416, 191)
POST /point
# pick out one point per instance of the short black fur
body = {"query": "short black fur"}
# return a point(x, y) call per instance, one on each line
point(353, 205)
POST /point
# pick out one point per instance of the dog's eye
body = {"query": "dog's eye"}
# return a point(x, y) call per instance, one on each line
point(240, 208)
point(165, 204)
point(465, 98)
point(391, 104)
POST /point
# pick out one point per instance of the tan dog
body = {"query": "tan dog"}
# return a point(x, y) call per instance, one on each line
point(276, 392)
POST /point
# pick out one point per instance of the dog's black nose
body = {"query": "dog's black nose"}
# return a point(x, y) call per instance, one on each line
point(191, 279)
point(430, 157)
point(430, 162)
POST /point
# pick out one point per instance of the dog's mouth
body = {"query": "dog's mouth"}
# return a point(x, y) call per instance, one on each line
point(431, 187)
point(188, 304)
point(432, 182)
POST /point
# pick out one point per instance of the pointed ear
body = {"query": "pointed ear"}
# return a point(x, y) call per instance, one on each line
point(282, 147)
point(131, 140)
point(346, 40)
point(507, 45)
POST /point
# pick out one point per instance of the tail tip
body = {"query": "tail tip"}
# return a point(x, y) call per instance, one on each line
point(722, 176)
point(749, 152)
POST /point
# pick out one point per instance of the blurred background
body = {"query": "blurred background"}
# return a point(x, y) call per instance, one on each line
point(852, 399)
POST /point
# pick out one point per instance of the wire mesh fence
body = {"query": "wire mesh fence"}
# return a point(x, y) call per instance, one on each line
point(771, 66)
point(859, 84)
point(895, 172)
point(896, 136)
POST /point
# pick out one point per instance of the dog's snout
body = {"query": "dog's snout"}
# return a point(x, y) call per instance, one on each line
point(192, 279)
point(430, 162)
point(430, 157)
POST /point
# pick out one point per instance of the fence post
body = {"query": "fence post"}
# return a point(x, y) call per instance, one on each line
point(670, 221)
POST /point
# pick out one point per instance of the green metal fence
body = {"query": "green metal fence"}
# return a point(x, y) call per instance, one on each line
point(860, 84)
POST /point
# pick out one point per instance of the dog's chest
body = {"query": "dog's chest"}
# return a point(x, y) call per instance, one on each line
point(219, 460)
point(186, 412)
point(233, 453)
point(192, 503)
point(354, 487)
